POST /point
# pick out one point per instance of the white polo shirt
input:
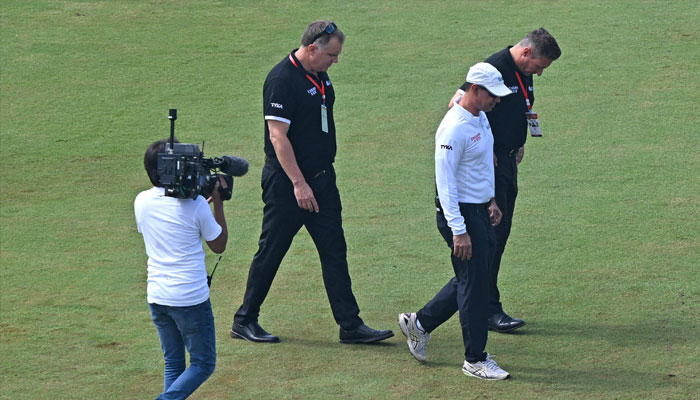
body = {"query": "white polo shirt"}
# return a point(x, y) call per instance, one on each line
point(173, 230)
point(464, 171)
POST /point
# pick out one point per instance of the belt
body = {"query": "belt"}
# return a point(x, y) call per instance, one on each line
point(273, 162)
point(509, 153)
point(484, 205)
point(438, 206)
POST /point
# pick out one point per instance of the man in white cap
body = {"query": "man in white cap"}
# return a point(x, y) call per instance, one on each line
point(509, 123)
point(466, 214)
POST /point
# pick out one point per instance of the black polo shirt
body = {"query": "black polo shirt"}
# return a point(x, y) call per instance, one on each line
point(507, 119)
point(289, 96)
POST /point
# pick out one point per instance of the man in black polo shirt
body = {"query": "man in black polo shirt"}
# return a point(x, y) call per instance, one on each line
point(509, 122)
point(299, 188)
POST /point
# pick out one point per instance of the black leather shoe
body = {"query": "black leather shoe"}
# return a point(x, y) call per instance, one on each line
point(364, 334)
point(502, 322)
point(252, 332)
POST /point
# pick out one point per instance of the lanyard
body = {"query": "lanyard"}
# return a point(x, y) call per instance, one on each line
point(321, 88)
point(527, 99)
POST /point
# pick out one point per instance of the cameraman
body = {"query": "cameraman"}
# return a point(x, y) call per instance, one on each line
point(177, 290)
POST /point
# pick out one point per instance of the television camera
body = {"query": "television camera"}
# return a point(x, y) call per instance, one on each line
point(186, 173)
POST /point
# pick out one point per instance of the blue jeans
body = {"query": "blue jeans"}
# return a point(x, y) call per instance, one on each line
point(181, 328)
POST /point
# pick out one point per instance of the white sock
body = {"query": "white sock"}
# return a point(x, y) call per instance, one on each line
point(419, 326)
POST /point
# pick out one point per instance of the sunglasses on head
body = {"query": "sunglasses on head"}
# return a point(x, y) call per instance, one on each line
point(329, 29)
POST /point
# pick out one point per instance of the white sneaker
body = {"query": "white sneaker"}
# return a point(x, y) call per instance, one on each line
point(487, 369)
point(416, 338)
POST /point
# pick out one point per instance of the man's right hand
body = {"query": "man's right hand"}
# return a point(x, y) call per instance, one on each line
point(287, 159)
point(305, 197)
point(462, 246)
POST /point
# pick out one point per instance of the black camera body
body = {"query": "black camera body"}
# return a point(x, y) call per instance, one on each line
point(185, 173)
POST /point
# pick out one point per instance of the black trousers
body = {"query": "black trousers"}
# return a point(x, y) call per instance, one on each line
point(506, 192)
point(468, 291)
point(282, 219)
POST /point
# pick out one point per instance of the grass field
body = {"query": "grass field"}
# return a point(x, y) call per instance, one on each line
point(602, 262)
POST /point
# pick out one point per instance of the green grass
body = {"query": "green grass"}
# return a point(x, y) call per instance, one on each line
point(602, 262)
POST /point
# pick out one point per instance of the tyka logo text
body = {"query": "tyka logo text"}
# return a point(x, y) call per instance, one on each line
point(446, 147)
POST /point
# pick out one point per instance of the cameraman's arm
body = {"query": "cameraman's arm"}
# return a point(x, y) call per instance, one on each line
point(218, 245)
point(285, 155)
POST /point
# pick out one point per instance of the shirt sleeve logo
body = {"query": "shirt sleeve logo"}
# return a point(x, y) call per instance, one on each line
point(446, 147)
point(277, 105)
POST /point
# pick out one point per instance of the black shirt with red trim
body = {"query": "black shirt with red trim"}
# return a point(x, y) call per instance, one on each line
point(289, 96)
point(507, 119)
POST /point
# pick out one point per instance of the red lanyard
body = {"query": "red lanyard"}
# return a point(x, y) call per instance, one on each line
point(321, 88)
point(527, 99)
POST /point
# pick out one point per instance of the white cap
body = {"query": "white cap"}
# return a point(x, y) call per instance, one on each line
point(487, 76)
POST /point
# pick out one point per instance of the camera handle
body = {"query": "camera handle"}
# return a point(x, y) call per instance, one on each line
point(210, 277)
point(172, 116)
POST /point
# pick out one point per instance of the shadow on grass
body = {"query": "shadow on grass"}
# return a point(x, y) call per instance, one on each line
point(335, 343)
point(598, 356)
point(648, 333)
point(316, 343)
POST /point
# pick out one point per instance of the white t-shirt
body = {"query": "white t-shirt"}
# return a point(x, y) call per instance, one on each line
point(172, 231)
point(464, 171)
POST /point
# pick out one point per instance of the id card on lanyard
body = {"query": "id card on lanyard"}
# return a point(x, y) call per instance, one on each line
point(322, 89)
point(533, 121)
point(324, 109)
point(324, 118)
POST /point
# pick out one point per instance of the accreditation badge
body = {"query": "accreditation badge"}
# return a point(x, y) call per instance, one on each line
point(324, 118)
point(533, 123)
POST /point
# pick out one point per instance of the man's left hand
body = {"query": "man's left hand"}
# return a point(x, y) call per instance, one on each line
point(215, 195)
point(519, 156)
